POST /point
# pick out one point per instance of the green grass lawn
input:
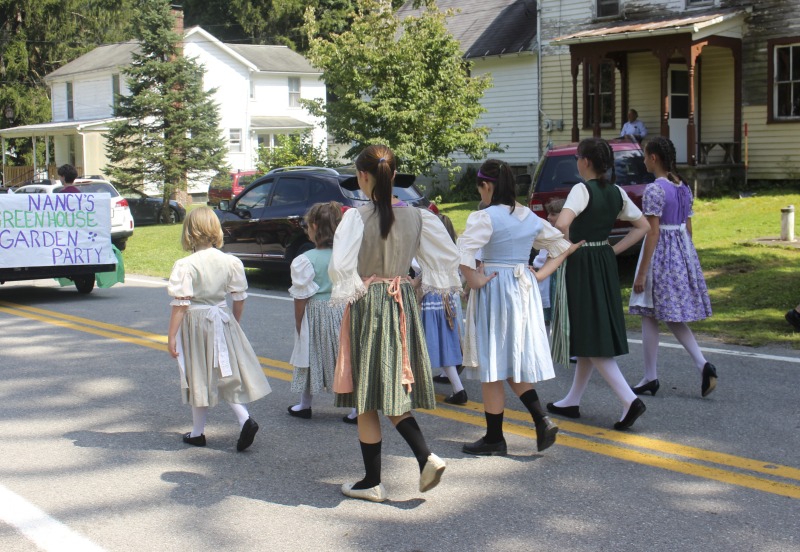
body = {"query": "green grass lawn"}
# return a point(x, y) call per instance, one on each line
point(751, 285)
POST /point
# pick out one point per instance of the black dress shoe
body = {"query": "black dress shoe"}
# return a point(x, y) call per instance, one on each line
point(247, 435)
point(709, 379)
point(457, 398)
point(305, 413)
point(637, 409)
point(349, 420)
point(444, 379)
point(793, 318)
point(482, 448)
point(546, 431)
point(566, 411)
point(199, 441)
point(651, 386)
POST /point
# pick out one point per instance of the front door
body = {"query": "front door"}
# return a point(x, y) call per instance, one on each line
point(679, 109)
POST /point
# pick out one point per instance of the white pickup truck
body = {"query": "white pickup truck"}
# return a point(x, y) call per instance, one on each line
point(56, 236)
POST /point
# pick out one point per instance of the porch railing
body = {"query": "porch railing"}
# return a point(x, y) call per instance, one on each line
point(19, 175)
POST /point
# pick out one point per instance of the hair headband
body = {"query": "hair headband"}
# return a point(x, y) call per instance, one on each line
point(482, 176)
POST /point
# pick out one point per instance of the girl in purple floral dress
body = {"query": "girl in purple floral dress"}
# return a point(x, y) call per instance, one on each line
point(669, 284)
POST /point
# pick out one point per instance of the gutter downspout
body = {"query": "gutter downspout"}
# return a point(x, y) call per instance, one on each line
point(539, 79)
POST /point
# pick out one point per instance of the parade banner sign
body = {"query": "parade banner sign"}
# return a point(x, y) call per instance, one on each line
point(55, 230)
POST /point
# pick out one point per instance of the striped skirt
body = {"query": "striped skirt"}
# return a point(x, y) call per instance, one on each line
point(377, 354)
point(324, 321)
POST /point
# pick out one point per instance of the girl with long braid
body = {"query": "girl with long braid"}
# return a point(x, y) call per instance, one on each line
point(383, 361)
point(596, 320)
point(669, 284)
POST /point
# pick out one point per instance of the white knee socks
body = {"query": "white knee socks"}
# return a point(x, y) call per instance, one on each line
point(650, 339)
point(198, 420)
point(452, 374)
point(241, 413)
point(686, 338)
point(583, 371)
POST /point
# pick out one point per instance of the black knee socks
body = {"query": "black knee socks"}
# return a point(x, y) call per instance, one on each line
point(411, 432)
point(531, 401)
point(494, 428)
point(371, 453)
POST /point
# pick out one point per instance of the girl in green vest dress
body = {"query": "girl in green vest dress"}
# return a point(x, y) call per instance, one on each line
point(596, 321)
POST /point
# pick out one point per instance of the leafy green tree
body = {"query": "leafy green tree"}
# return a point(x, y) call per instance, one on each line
point(295, 150)
point(401, 83)
point(170, 127)
point(39, 36)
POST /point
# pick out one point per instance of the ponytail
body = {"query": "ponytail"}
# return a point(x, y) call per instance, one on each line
point(379, 161)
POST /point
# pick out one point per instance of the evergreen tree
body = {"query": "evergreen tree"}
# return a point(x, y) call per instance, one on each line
point(170, 127)
point(401, 83)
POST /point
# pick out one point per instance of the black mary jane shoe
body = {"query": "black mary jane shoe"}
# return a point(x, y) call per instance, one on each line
point(482, 448)
point(636, 409)
point(546, 431)
point(651, 386)
point(304, 413)
point(349, 420)
point(709, 379)
point(566, 411)
point(247, 435)
point(457, 398)
point(199, 441)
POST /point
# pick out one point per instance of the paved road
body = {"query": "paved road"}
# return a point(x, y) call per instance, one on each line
point(91, 458)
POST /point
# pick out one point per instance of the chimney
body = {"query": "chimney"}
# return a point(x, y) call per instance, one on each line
point(177, 11)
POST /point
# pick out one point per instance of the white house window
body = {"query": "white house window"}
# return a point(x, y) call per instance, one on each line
point(70, 103)
point(787, 82)
point(294, 92)
point(235, 140)
point(270, 141)
point(607, 8)
point(606, 92)
point(114, 93)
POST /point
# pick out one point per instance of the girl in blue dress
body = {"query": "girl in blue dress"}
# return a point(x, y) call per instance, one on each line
point(506, 338)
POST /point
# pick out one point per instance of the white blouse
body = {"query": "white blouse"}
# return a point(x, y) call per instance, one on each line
point(303, 284)
point(437, 257)
point(578, 199)
point(479, 231)
point(222, 273)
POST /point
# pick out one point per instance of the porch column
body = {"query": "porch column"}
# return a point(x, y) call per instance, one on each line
point(736, 50)
point(3, 139)
point(33, 139)
point(574, 67)
point(691, 130)
point(663, 58)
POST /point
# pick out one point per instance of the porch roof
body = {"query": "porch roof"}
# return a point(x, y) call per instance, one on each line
point(56, 129)
point(273, 123)
point(700, 25)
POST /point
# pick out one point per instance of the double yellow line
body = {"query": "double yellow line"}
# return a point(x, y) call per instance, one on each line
point(726, 468)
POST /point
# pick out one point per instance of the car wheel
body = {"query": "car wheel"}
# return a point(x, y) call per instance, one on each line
point(121, 244)
point(84, 283)
point(173, 216)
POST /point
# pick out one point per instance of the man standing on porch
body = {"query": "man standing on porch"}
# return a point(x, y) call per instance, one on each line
point(634, 127)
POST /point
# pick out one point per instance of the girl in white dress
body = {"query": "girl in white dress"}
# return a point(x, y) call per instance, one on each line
point(317, 321)
point(214, 356)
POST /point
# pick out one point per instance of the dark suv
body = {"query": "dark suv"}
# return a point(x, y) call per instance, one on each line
point(263, 225)
point(557, 172)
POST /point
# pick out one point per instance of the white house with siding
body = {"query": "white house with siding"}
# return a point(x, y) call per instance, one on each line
point(258, 89)
point(499, 38)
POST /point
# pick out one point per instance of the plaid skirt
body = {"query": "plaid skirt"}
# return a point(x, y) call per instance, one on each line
point(377, 354)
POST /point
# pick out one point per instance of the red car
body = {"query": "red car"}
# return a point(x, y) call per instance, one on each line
point(557, 172)
point(229, 185)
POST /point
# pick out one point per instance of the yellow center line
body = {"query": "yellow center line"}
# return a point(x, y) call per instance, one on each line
point(472, 413)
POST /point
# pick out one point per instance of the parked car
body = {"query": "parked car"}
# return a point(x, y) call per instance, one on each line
point(147, 210)
point(557, 173)
point(263, 225)
point(121, 218)
point(229, 185)
point(37, 187)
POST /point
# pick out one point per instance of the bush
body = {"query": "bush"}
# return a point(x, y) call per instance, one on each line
point(295, 150)
point(463, 189)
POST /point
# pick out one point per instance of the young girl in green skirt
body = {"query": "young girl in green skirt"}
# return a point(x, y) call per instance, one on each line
point(382, 351)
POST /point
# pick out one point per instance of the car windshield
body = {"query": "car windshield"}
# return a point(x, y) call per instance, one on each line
point(560, 172)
